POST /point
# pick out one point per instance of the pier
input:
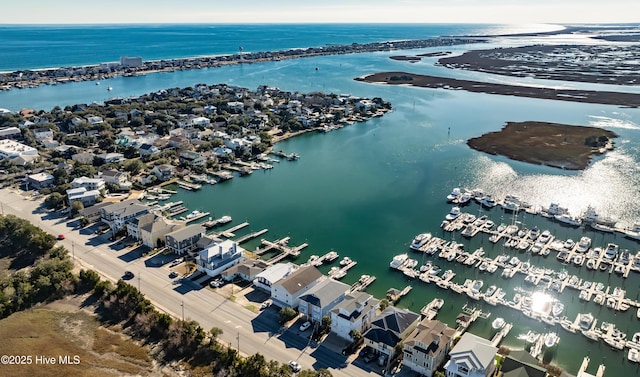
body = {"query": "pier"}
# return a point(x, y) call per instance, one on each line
point(340, 272)
point(394, 295)
point(504, 331)
point(189, 186)
point(282, 247)
point(251, 236)
point(229, 233)
point(362, 283)
point(430, 310)
point(271, 246)
point(222, 175)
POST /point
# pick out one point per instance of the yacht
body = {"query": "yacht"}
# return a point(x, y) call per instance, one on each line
point(454, 195)
point(544, 237)
point(551, 340)
point(476, 286)
point(578, 259)
point(453, 214)
point(568, 219)
point(498, 323)
point(633, 232)
point(586, 320)
point(346, 260)
point(611, 251)
point(534, 233)
point(420, 240)
point(224, 219)
point(488, 202)
point(410, 263)
point(435, 270)
point(569, 244)
point(399, 260)
point(634, 355)
point(464, 199)
point(584, 244)
point(511, 203)
point(557, 308)
point(554, 210)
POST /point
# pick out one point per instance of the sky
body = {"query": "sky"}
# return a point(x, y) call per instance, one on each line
point(319, 11)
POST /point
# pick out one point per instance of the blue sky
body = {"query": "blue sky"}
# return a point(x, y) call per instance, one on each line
point(319, 11)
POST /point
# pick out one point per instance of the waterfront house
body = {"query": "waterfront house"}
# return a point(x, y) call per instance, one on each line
point(218, 257)
point(472, 356)
point(164, 172)
point(354, 312)
point(321, 298)
point(273, 274)
point(184, 240)
point(120, 179)
point(88, 183)
point(92, 214)
point(39, 181)
point(287, 291)
point(82, 195)
point(426, 348)
point(246, 270)
point(152, 234)
point(389, 328)
point(520, 363)
point(191, 158)
point(148, 150)
point(117, 214)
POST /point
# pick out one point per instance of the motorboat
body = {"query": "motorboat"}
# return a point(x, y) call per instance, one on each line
point(332, 255)
point(490, 291)
point(568, 219)
point(454, 195)
point(419, 241)
point(489, 224)
point(511, 203)
point(583, 245)
point(453, 214)
point(599, 299)
point(591, 264)
point(555, 210)
point(578, 259)
point(435, 270)
point(551, 340)
point(410, 263)
point(492, 268)
point(633, 232)
point(476, 286)
point(346, 260)
point(399, 260)
point(467, 231)
point(532, 337)
point(611, 251)
point(633, 355)
point(488, 202)
point(569, 244)
point(514, 261)
point(498, 323)
point(557, 308)
point(224, 219)
point(534, 233)
point(619, 269)
point(545, 236)
point(586, 320)
point(464, 199)
point(583, 295)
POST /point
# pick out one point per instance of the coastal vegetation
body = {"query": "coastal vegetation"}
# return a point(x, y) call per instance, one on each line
point(36, 272)
point(557, 145)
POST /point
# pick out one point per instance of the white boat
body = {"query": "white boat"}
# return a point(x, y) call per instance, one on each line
point(633, 355)
point(584, 244)
point(109, 88)
point(583, 295)
point(578, 259)
point(551, 340)
point(453, 214)
point(193, 214)
point(435, 270)
point(454, 195)
point(476, 286)
point(419, 241)
point(611, 251)
point(490, 291)
point(437, 303)
point(586, 319)
point(498, 323)
point(532, 337)
point(534, 233)
point(544, 237)
point(410, 263)
point(346, 260)
point(568, 219)
point(633, 232)
point(591, 264)
point(399, 260)
point(555, 209)
point(224, 219)
point(464, 199)
point(488, 202)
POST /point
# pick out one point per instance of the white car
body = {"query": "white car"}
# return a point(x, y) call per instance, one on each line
point(265, 305)
point(295, 366)
point(305, 326)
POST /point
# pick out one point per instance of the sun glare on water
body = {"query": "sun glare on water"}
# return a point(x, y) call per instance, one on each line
point(540, 302)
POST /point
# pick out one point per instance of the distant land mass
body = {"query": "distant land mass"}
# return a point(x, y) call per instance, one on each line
point(552, 144)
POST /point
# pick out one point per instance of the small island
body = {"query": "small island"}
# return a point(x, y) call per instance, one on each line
point(552, 144)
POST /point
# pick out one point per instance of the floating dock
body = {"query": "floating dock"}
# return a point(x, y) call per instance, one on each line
point(394, 295)
point(251, 236)
point(363, 283)
point(229, 233)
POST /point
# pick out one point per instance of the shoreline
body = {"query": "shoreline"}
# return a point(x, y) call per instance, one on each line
point(31, 78)
point(622, 99)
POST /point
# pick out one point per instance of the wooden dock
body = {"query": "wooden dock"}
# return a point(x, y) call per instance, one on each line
point(189, 186)
point(271, 245)
point(251, 236)
point(504, 331)
point(394, 295)
point(196, 217)
point(363, 283)
point(229, 233)
point(282, 246)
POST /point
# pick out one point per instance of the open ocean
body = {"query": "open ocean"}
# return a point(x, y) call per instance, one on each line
point(366, 190)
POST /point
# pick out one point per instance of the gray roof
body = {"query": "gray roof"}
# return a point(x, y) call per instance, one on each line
point(187, 232)
point(126, 207)
point(353, 302)
point(432, 334)
point(394, 319)
point(473, 352)
point(325, 292)
point(300, 278)
point(520, 363)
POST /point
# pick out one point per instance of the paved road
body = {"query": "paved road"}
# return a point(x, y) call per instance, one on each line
point(241, 327)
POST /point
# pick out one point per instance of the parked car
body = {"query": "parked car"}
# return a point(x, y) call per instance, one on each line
point(173, 275)
point(265, 304)
point(369, 357)
point(305, 326)
point(295, 366)
point(60, 236)
point(383, 359)
point(128, 275)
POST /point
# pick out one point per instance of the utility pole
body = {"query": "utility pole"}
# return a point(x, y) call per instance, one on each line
point(238, 337)
point(182, 310)
point(73, 249)
point(139, 277)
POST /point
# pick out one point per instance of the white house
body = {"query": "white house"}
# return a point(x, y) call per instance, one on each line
point(287, 292)
point(266, 279)
point(354, 312)
point(320, 299)
point(43, 133)
point(82, 195)
point(219, 256)
point(472, 356)
point(88, 183)
point(117, 214)
point(12, 149)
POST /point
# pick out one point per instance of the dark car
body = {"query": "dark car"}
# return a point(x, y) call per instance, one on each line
point(128, 275)
point(173, 275)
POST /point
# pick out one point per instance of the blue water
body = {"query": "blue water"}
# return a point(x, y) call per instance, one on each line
point(367, 189)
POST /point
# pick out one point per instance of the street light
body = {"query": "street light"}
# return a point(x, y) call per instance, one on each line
point(238, 337)
point(182, 304)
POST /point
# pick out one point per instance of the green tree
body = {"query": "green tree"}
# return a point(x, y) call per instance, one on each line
point(134, 166)
point(54, 201)
point(286, 314)
point(76, 207)
point(384, 303)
